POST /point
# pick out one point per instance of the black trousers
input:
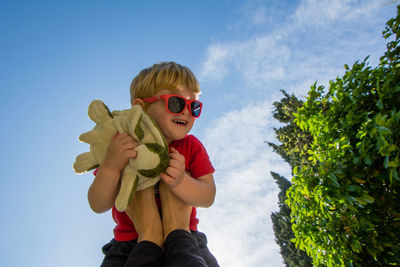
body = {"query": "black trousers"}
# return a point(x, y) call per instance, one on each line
point(180, 249)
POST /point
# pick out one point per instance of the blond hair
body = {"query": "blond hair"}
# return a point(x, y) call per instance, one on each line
point(165, 75)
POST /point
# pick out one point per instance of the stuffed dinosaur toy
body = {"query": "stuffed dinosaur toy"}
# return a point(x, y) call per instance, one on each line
point(152, 151)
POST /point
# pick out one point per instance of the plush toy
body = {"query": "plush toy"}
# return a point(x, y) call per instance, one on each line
point(152, 151)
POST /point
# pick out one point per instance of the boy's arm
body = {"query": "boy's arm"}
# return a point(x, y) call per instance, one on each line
point(198, 192)
point(104, 189)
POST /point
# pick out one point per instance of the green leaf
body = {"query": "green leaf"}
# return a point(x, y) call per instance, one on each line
point(358, 180)
point(333, 179)
point(352, 188)
point(368, 198)
point(372, 251)
point(386, 162)
point(367, 161)
point(379, 104)
point(394, 174)
point(394, 164)
point(361, 201)
point(384, 130)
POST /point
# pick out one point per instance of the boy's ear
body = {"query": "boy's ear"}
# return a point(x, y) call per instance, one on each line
point(138, 101)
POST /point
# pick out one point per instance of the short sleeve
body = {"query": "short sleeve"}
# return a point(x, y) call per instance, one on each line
point(200, 163)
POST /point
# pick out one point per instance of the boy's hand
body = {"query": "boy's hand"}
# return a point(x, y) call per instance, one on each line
point(175, 172)
point(119, 151)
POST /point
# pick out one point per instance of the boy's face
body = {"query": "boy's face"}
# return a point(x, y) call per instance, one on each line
point(174, 127)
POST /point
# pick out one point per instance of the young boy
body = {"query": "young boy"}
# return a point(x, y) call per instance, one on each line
point(168, 93)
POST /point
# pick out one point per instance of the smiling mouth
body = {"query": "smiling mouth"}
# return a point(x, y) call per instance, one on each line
point(179, 122)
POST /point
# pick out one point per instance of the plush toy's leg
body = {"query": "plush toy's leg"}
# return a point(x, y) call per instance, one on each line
point(98, 111)
point(129, 182)
point(89, 137)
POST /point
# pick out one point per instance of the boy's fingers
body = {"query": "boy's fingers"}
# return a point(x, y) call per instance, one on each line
point(128, 141)
point(174, 151)
point(177, 156)
point(129, 146)
point(131, 153)
point(124, 136)
point(173, 163)
point(121, 136)
point(172, 172)
point(115, 135)
point(166, 178)
point(168, 171)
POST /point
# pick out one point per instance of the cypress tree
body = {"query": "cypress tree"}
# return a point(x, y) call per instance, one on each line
point(291, 137)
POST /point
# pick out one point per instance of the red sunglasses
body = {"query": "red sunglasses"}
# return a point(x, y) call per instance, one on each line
point(176, 104)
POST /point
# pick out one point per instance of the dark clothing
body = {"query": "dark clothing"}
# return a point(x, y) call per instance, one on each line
point(145, 253)
point(180, 249)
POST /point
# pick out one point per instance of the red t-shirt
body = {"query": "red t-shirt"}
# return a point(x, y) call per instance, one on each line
point(197, 164)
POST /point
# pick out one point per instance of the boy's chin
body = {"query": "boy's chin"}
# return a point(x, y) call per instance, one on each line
point(178, 136)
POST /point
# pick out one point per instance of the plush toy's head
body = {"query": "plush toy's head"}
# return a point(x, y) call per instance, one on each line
point(152, 158)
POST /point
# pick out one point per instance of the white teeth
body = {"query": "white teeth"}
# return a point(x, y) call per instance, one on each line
point(180, 122)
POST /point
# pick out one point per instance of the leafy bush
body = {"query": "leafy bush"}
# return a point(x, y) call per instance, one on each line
point(344, 198)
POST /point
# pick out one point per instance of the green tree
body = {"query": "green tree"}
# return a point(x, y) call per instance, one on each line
point(344, 198)
point(292, 140)
point(282, 226)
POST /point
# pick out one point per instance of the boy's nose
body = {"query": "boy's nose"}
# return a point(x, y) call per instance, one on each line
point(186, 110)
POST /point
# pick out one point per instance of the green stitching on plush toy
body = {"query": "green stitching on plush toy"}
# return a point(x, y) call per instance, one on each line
point(108, 111)
point(162, 166)
point(134, 188)
point(138, 130)
point(94, 167)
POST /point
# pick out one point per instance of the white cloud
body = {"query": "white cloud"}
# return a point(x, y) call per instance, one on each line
point(314, 43)
point(217, 56)
point(238, 225)
point(259, 16)
point(322, 12)
point(252, 14)
point(313, 12)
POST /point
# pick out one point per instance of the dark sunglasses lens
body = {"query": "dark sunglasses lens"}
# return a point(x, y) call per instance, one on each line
point(196, 108)
point(176, 104)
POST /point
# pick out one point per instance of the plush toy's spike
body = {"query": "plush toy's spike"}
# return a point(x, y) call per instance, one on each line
point(98, 111)
point(89, 137)
point(84, 162)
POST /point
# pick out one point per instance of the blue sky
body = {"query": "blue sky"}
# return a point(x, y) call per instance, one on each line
point(57, 56)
